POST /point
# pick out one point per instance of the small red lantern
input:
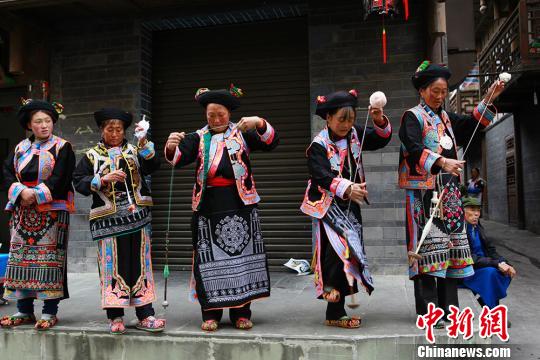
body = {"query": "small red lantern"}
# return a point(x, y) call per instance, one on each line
point(384, 8)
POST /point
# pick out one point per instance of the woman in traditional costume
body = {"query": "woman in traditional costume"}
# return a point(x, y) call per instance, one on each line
point(333, 196)
point(229, 262)
point(113, 172)
point(429, 168)
point(40, 198)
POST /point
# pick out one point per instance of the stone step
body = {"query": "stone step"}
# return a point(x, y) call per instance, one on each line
point(288, 325)
point(61, 343)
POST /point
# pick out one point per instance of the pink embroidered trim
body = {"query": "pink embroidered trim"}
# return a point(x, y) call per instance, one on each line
point(14, 191)
point(477, 114)
point(427, 160)
point(176, 157)
point(43, 194)
point(386, 131)
point(216, 160)
point(342, 187)
point(269, 134)
point(334, 185)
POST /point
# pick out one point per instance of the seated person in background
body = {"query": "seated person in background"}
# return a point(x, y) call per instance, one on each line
point(476, 185)
point(492, 273)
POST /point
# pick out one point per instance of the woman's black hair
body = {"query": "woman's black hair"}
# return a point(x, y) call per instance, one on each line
point(108, 121)
point(334, 111)
point(424, 87)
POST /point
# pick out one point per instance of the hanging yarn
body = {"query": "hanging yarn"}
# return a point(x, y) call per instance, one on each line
point(166, 272)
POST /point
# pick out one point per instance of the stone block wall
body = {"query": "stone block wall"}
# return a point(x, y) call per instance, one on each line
point(95, 64)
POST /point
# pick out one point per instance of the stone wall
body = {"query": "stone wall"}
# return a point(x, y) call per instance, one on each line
point(527, 120)
point(95, 64)
point(496, 169)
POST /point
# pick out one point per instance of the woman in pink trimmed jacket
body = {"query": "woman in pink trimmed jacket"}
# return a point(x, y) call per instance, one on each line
point(229, 263)
point(40, 198)
point(335, 190)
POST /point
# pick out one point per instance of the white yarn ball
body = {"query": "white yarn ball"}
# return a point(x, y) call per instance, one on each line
point(144, 125)
point(377, 100)
point(505, 77)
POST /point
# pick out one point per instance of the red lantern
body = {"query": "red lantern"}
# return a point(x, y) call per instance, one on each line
point(384, 8)
point(381, 7)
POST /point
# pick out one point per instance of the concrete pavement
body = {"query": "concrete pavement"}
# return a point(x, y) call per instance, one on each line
point(288, 325)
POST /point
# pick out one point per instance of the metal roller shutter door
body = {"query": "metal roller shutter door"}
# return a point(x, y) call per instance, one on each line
point(269, 62)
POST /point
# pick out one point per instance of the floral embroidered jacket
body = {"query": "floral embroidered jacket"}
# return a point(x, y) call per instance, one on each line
point(46, 168)
point(99, 161)
point(326, 162)
point(235, 146)
point(421, 132)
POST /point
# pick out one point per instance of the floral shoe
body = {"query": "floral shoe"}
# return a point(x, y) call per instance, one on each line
point(17, 320)
point(210, 325)
point(151, 324)
point(46, 324)
point(345, 322)
point(117, 327)
point(243, 324)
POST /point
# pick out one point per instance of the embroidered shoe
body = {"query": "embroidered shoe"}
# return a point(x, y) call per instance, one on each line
point(46, 324)
point(210, 325)
point(243, 324)
point(117, 326)
point(345, 322)
point(12, 321)
point(151, 324)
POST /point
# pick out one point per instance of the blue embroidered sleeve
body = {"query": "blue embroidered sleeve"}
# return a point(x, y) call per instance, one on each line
point(147, 151)
point(14, 191)
point(43, 194)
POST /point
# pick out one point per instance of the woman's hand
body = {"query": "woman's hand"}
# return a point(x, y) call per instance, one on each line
point(28, 197)
point(174, 140)
point(116, 175)
point(249, 123)
point(451, 166)
point(494, 91)
point(142, 141)
point(357, 192)
point(377, 114)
